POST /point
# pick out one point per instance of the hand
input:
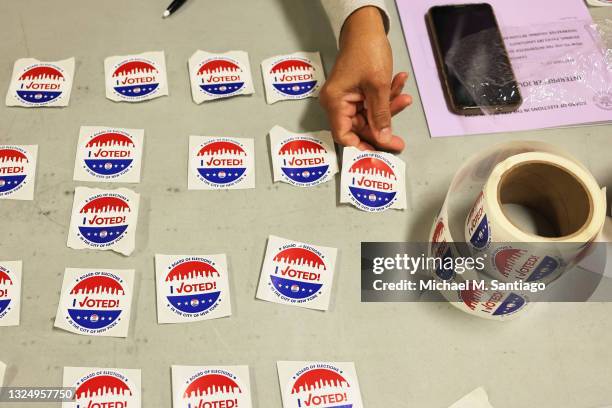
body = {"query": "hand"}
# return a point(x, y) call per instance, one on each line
point(360, 96)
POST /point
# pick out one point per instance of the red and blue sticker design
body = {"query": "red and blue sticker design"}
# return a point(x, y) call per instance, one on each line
point(104, 220)
point(215, 76)
point(373, 181)
point(192, 288)
point(297, 274)
point(294, 76)
point(95, 302)
point(478, 231)
point(103, 387)
point(494, 302)
point(321, 385)
point(17, 172)
point(38, 83)
point(135, 78)
point(303, 160)
point(213, 387)
point(10, 292)
point(516, 264)
point(220, 163)
point(110, 155)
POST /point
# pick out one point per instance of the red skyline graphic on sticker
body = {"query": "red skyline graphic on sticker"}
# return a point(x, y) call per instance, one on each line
point(372, 166)
point(300, 256)
point(317, 379)
point(110, 139)
point(42, 72)
point(134, 67)
point(12, 155)
point(4, 278)
point(191, 269)
point(104, 204)
point(102, 385)
point(211, 384)
point(221, 148)
point(301, 147)
point(98, 284)
point(218, 65)
point(291, 65)
point(506, 259)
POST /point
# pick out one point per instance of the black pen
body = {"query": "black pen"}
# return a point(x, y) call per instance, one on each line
point(175, 5)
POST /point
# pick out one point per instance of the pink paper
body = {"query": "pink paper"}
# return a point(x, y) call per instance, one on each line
point(513, 16)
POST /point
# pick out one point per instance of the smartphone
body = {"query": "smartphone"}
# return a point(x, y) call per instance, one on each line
point(473, 63)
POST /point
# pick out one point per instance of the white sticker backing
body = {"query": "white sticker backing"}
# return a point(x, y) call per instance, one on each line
point(318, 384)
point(211, 386)
point(2, 371)
point(136, 78)
point(17, 171)
point(103, 387)
point(96, 302)
point(215, 76)
point(36, 83)
point(104, 220)
point(10, 293)
point(297, 274)
point(218, 163)
point(294, 76)
point(191, 288)
point(372, 181)
point(302, 159)
point(108, 154)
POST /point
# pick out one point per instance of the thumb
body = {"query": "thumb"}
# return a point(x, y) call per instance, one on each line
point(379, 111)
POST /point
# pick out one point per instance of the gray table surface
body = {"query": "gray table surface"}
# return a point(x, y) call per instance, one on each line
point(407, 355)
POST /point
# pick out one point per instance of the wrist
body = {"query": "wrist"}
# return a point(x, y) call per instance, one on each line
point(365, 23)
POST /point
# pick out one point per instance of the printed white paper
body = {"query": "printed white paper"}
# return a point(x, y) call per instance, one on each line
point(104, 220)
point(96, 302)
point(103, 387)
point(372, 181)
point(111, 155)
point(302, 159)
point(211, 386)
point(215, 76)
point(294, 76)
point(297, 274)
point(136, 78)
point(2, 371)
point(219, 163)
point(10, 292)
point(191, 288)
point(475, 399)
point(17, 172)
point(36, 83)
point(318, 384)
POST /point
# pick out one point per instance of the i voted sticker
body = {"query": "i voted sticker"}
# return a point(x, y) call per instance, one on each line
point(218, 163)
point(211, 387)
point(10, 293)
point(191, 288)
point(103, 387)
point(302, 159)
point(17, 172)
point(96, 302)
point(295, 76)
point(104, 220)
point(296, 273)
point(372, 181)
point(36, 83)
point(110, 155)
point(136, 78)
point(215, 76)
point(319, 384)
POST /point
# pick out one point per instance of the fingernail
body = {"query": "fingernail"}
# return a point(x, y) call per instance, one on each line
point(385, 134)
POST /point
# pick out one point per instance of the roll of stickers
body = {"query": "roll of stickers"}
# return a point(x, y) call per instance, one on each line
point(562, 192)
point(474, 221)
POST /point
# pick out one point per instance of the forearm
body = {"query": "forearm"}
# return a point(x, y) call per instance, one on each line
point(338, 11)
